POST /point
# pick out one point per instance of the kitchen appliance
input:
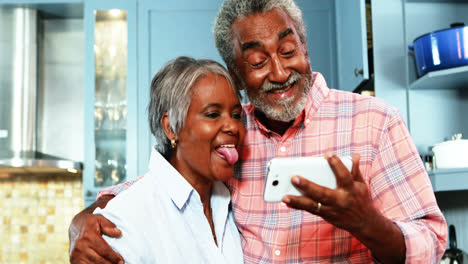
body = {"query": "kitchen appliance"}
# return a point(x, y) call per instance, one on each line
point(441, 49)
point(19, 109)
point(451, 154)
point(452, 255)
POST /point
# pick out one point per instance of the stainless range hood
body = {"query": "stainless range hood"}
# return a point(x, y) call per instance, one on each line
point(18, 96)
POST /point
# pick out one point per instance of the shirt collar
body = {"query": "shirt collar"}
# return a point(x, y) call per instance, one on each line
point(317, 94)
point(166, 175)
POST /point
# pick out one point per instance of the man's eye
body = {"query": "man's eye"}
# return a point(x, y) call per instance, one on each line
point(256, 61)
point(258, 65)
point(289, 53)
point(212, 115)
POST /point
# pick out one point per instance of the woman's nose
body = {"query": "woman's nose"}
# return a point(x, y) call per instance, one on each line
point(231, 126)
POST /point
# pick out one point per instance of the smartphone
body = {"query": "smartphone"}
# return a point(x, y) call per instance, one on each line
point(315, 169)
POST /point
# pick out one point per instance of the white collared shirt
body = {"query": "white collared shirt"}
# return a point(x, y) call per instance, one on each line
point(162, 221)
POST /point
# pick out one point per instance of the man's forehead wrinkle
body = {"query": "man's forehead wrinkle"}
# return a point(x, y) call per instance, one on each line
point(255, 30)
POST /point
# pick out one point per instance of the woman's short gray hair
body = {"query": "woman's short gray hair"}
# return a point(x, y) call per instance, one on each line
point(171, 92)
point(234, 9)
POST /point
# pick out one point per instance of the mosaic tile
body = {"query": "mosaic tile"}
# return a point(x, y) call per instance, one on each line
point(50, 210)
point(51, 219)
point(36, 212)
point(23, 256)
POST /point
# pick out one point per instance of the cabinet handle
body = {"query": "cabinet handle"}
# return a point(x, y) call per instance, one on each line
point(358, 72)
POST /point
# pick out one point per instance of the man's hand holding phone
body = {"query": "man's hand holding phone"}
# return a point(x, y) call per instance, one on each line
point(348, 206)
point(281, 170)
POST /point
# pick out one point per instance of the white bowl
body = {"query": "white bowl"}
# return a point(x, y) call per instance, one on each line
point(451, 154)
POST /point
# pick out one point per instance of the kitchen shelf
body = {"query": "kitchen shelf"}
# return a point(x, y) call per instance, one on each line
point(453, 78)
point(111, 134)
point(449, 179)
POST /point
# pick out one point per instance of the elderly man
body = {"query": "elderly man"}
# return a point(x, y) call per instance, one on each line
point(383, 210)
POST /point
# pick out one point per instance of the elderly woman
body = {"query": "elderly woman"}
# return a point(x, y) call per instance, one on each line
point(179, 212)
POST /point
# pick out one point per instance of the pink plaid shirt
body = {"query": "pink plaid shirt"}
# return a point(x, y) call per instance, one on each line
point(344, 123)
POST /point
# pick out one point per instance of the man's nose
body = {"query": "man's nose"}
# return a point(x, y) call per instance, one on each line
point(278, 73)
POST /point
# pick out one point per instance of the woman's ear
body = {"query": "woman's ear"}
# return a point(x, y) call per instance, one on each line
point(167, 127)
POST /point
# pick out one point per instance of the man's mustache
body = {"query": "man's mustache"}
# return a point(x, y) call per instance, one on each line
point(269, 86)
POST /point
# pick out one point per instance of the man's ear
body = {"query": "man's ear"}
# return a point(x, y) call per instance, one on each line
point(306, 50)
point(167, 127)
point(236, 79)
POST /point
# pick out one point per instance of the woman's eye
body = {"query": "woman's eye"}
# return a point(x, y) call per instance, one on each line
point(236, 116)
point(212, 115)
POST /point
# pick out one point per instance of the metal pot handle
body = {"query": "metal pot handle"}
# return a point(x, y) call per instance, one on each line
point(452, 237)
point(457, 24)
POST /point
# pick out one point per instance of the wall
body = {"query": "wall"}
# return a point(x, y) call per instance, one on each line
point(60, 88)
point(35, 212)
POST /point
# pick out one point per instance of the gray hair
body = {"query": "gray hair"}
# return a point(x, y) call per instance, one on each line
point(171, 92)
point(237, 9)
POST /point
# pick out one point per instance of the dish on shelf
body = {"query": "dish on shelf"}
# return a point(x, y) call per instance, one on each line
point(451, 154)
point(442, 49)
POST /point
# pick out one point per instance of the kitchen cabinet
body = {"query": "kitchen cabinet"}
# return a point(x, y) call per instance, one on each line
point(351, 42)
point(110, 95)
point(49, 8)
point(434, 106)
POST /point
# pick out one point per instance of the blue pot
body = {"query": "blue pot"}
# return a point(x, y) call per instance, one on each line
point(441, 49)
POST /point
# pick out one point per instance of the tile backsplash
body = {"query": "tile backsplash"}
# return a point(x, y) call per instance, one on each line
point(35, 212)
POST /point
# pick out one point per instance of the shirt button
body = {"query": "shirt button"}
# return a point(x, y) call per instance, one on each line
point(307, 121)
point(277, 252)
point(283, 149)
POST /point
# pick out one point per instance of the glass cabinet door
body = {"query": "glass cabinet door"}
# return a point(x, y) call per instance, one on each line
point(110, 101)
point(110, 95)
